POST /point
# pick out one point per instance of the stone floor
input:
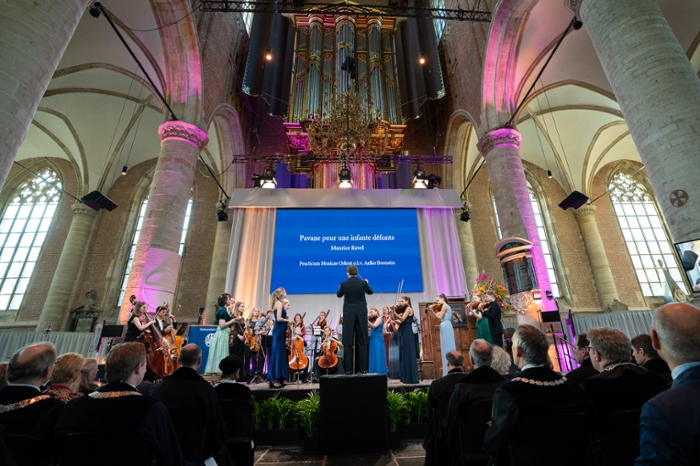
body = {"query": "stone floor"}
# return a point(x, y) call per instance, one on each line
point(411, 454)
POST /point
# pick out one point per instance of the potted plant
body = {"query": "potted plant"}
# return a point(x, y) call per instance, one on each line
point(414, 418)
point(280, 415)
point(395, 406)
point(309, 411)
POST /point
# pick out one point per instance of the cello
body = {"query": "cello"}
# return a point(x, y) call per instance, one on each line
point(297, 359)
point(329, 354)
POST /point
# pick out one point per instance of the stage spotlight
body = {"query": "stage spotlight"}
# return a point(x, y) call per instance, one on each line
point(125, 170)
point(345, 179)
point(221, 215)
point(421, 60)
point(465, 216)
point(268, 56)
point(95, 10)
point(420, 181)
point(578, 24)
point(549, 173)
point(549, 294)
point(267, 180)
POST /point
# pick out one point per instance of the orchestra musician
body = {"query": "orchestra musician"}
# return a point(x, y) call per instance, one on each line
point(475, 308)
point(377, 352)
point(403, 316)
point(443, 312)
point(298, 328)
point(328, 361)
point(391, 343)
point(219, 347)
point(253, 355)
point(165, 321)
point(237, 338)
point(278, 370)
point(137, 322)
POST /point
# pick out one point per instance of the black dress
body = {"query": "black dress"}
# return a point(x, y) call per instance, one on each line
point(132, 331)
point(407, 352)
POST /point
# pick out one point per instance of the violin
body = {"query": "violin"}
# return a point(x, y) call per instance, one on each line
point(329, 358)
point(251, 340)
point(437, 307)
point(399, 308)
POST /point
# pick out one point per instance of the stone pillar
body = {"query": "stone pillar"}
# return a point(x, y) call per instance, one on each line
point(595, 250)
point(466, 247)
point(154, 270)
point(33, 37)
point(70, 264)
point(659, 95)
point(501, 149)
point(219, 266)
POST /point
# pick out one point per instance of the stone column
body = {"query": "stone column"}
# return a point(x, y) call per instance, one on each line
point(70, 264)
point(659, 95)
point(595, 250)
point(501, 149)
point(466, 247)
point(33, 37)
point(154, 270)
point(219, 266)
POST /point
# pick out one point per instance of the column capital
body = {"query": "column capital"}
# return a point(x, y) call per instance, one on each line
point(574, 6)
point(81, 209)
point(585, 212)
point(184, 132)
point(497, 138)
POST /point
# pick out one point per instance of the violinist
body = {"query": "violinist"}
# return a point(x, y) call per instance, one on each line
point(377, 352)
point(403, 316)
point(219, 347)
point(298, 328)
point(252, 344)
point(237, 341)
point(475, 308)
point(492, 311)
point(137, 322)
point(278, 369)
point(443, 312)
point(321, 322)
point(391, 343)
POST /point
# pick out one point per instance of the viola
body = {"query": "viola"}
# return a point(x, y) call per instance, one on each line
point(329, 358)
point(251, 340)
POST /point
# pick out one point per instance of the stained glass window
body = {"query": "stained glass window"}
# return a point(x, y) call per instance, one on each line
point(23, 229)
point(646, 238)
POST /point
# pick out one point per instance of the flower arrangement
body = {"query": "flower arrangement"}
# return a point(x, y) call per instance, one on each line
point(484, 284)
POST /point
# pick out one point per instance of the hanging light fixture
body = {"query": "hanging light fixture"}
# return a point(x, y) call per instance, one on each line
point(420, 180)
point(267, 180)
point(345, 178)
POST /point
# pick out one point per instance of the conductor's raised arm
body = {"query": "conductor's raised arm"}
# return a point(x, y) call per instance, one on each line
point(340, 292)
point(368, 289)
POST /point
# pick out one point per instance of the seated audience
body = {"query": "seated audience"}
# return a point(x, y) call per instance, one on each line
point(3, 375)
point(621, 385)
point(585, 369)
point(66, 372)
point(538, 391)
point(229, 389)
point(503, 364)
point(445, 384)
point(21, 403)
point(645, 355)
point(87, 384)
point(186, 391)
point(117, 406)
point(477, 386)
point(669, 429)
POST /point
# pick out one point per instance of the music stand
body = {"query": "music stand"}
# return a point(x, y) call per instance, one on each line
point(107, 334)
point(311, 377)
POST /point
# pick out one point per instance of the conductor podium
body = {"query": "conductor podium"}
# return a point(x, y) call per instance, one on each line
point(354, 415)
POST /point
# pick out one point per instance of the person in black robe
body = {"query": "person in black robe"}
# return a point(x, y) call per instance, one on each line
point(229, 389)
point(355, 333)
point(117, 406)
point(585, 369)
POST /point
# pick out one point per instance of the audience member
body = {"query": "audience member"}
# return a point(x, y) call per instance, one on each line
point(585, 369)
point(477, 386)
point(537, 392)
point(443, 385)
point(117, 406)
point(86, 384)
point(669, 431)
point(644, 353)
point(185, 391)
point(229, 389)
point(503, 364)
point(66, 372)
point(3, 375)
point(621, 385)
point(21, 403)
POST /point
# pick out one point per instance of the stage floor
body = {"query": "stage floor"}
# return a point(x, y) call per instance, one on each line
point(410, 454)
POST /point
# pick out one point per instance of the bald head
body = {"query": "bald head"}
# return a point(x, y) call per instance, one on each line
point(481, 352)
point(32, 364)
point(191, 356)
point(675, 333)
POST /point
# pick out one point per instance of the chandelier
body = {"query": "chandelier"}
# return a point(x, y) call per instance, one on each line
point(349, 130)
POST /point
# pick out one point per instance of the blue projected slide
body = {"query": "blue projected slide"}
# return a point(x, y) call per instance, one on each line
point(313, 248)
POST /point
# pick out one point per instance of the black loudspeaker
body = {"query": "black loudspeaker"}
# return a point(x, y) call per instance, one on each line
point(575, 200)
point(354, 414)
point(96, 201)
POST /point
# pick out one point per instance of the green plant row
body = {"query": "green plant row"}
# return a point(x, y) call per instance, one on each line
point(282, 413)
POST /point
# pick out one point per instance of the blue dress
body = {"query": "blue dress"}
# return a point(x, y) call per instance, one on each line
point(278, 368)
point(377, 354)
point(407, 352)
point(447, 337)
point(218, 349)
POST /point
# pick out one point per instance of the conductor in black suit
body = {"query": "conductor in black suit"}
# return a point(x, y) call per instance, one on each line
point(355, 335)
point(493, 314)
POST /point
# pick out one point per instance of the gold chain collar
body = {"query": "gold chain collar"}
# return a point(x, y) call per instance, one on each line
point(23, 403)
point(105, 395)
point(541, 383)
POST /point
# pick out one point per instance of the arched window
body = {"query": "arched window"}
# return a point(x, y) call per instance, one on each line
point(646, 238)
point(438, 23)
point(134, 242)
point(23, 229)
point(544, 239)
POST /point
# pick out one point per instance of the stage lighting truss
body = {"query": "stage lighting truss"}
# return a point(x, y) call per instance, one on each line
point(345, 9)
point(387, 159)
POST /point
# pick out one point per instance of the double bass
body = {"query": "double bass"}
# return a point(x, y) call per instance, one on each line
point(158, 360)
point(174, 340)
